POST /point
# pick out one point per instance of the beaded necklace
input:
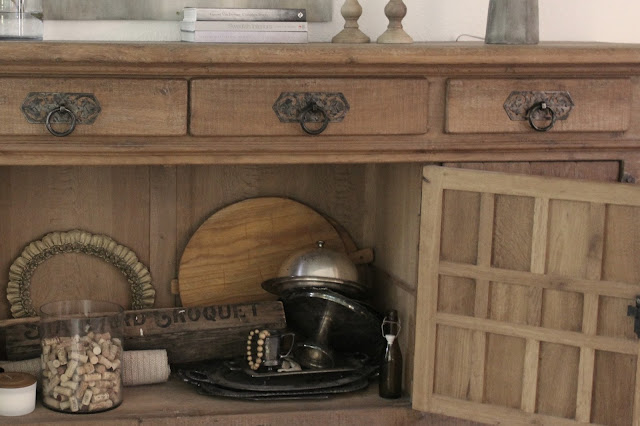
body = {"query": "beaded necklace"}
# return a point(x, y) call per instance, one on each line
point(261, 335)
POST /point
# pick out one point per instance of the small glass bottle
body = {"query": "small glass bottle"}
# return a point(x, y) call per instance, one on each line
point(391, 367)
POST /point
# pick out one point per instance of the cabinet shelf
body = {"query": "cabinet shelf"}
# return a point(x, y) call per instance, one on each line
point(177, 402)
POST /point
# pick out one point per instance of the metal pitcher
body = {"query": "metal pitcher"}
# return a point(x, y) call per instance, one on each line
point(512, 22)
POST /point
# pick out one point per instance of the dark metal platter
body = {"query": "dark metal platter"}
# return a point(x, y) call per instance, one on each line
point(349, 326)
point(220, 375)
point(283, 285)
point(213, 390)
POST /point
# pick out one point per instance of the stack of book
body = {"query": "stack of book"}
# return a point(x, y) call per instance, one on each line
point(222, 25)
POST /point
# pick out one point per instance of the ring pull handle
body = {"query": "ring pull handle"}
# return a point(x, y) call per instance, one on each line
point(61, 110)
point(305, 117)
point(541, 106)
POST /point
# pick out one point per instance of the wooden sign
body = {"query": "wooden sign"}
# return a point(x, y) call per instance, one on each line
point(188, 334)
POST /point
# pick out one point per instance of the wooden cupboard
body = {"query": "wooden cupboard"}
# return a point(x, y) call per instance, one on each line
point(185, 129)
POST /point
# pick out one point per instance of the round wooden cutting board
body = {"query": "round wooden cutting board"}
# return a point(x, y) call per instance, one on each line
point(244, 244)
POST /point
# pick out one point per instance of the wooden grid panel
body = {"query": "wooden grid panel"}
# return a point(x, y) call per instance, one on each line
point(493, 356)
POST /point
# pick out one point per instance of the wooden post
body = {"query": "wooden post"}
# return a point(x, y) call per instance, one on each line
point(351, 11)
point(395, 10)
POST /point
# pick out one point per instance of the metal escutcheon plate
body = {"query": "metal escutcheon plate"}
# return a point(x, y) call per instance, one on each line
point(290, 105)
point(84, 106)
point(519, 103)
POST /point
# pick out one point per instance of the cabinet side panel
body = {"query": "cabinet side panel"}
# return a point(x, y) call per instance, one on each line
point(393, 199)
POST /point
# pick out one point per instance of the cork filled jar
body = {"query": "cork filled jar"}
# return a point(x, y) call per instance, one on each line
point(81, 355)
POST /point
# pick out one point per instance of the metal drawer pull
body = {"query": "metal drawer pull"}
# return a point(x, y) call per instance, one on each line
point(60, 107)
point(538, 106)
point(304, 108)
point(541, 106)
point(61, 110)
point(308, 114)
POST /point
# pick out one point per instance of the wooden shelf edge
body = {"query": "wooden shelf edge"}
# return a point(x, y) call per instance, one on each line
point(178, 403)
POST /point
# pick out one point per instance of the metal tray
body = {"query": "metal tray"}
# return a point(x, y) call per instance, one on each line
point(220, 375)
point(213, 390)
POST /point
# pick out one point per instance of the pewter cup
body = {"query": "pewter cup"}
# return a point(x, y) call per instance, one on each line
point(512, 22)
point(272, 353)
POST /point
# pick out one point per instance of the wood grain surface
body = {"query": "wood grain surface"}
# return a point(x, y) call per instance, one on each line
point(244, 244)
point(188, 334)
point(557, 349)
point(377, 106)
point(478, 105)
point(128, 107)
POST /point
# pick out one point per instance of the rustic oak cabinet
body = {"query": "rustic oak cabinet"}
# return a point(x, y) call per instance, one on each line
point(164, 134)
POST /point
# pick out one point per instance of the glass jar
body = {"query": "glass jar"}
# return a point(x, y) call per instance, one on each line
point(21, 19)
point(81, 354)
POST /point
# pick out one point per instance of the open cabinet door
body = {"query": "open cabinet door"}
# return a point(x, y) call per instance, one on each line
point(523, 295)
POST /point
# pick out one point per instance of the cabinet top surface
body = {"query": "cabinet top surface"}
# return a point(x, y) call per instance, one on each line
point(425, 54)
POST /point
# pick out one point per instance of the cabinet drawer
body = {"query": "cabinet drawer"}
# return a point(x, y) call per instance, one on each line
point(245, 107)
point(125, 107)
point(478, 105)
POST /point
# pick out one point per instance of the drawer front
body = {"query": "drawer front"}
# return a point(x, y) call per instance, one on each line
point(478, 105)
point(245, 107)
point(124, 107)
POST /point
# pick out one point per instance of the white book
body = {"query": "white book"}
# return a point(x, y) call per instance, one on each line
point(242, 26)
point(243, 14)
point(245, 36)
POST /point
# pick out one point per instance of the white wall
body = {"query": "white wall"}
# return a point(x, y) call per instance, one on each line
point(445, 20)
point(426, 20)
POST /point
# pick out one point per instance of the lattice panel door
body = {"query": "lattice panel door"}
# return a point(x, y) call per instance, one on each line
point(524, 284)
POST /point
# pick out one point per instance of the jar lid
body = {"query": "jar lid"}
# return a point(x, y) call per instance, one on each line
point(16, 380)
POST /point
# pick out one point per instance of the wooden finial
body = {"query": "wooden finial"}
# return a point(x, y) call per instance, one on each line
point(351, 11)
point(395, 11)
